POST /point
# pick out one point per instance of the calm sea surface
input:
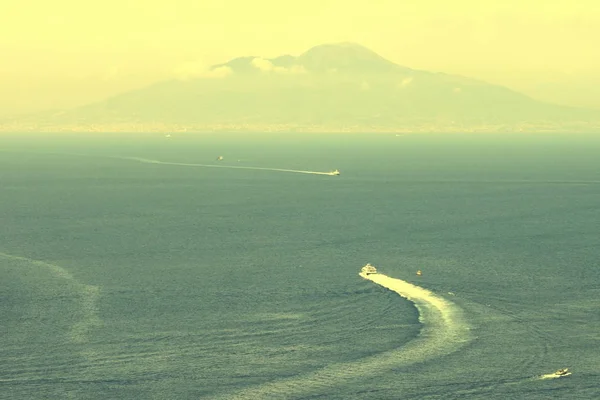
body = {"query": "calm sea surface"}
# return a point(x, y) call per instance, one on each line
point(130, 271)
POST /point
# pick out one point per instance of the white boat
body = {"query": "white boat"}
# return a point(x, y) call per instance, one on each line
point(334, 172)
point(562, 372)
point(220, 158)
point(368, 269)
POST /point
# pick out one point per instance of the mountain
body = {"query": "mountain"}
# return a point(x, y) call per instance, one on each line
point(331, 87)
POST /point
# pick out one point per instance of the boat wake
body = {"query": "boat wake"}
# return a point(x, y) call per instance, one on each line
point(87, 294)
point(444, 331)
point(444, 328)
point(150, 161)
point(553, 376)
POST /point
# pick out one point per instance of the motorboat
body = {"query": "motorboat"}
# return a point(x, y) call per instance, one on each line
point(220, 158)
point(368, 269)
point(334, 172)
point(562, 372)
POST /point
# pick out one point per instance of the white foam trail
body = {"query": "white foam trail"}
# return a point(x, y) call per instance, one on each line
point(553, 376)
point(444, 331)
point(89, 294)
point(426, 301)
point(150, 161)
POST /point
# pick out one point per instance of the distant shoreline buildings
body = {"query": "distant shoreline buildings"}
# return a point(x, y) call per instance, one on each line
point(540, 127)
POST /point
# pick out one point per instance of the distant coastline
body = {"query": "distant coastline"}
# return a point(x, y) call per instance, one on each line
point(541, 127)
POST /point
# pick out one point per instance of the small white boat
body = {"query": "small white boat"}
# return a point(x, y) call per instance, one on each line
point(334, 172)
point(368, 269)
point(562, 372)
point(220, 158)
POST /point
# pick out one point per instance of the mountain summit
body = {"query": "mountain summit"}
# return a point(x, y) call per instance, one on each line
point(349, 57)
point(340, 57)
point(330, 87)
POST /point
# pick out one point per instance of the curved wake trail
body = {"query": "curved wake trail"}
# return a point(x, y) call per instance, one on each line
point(88, 295)
point(150, 161)
point(444, 331)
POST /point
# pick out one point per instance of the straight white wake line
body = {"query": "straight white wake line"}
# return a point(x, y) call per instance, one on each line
point(150, 161)
point(444, 330)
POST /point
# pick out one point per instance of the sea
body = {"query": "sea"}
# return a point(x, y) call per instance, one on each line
point(138, 266)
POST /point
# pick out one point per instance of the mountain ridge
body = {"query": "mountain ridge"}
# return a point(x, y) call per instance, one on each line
point(330, 87)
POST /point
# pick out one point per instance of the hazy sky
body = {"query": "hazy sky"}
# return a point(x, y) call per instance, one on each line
point(61, 53)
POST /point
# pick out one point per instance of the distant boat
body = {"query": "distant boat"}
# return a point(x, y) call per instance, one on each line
point(419, 273)
point(334, 172)
point(220, 158)
point(368, 269)
point(562, 372)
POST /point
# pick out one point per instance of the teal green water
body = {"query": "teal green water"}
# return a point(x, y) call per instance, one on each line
point(126, 279)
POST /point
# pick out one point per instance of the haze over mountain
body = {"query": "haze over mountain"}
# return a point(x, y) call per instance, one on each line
point(331, 87)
